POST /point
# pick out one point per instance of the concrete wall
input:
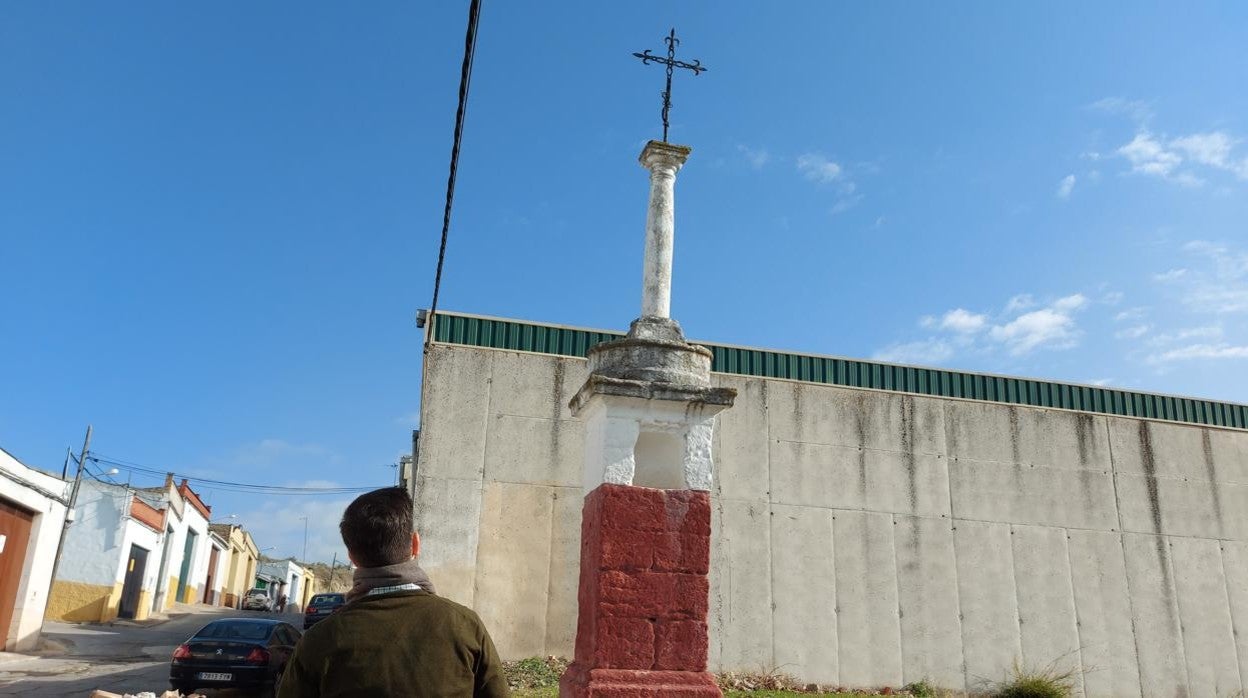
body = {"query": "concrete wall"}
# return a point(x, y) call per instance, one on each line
point(865, 538)
point(32, 494)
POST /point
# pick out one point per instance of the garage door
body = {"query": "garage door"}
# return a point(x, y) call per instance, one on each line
point(15, 524)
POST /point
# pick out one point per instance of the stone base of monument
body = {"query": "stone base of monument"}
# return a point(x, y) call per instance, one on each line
point(643, 596)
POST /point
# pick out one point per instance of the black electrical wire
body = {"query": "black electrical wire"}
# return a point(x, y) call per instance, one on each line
point(465, 80)
point(225, 485)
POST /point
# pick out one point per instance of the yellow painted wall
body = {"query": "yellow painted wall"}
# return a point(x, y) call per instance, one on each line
point(145, 605)
point(75, 601)
point(190, 594)
point(171, 592)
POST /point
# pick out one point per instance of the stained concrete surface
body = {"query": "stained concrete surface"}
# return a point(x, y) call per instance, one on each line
point(965, 537)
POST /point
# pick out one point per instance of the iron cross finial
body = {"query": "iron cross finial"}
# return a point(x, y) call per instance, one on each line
point(671, 63)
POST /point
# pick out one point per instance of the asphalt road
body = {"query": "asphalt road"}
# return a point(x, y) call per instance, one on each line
point(120, 657)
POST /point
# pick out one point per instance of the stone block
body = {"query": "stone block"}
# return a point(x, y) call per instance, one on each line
point(1155, 616)
point(682, 552)
point(627, 508)
point(680, 645)
point(535, 385)
point(988, 601)
point(1235, 565)
point(1032, 494)
point(741, 448)
point(448, 517)
point(931, 634)
point(1103, 604)
point(455, 401)
point(866, 595)
point(741, 625)
point(581, 682)
point(513, 566)
point(565, 553)
point(665, 595)
point(1000, 433)
point(1046, 601)
point(851, 417)
point(624, 643)
point(534, 450)
point(1181, 506)
point(1208, 631)
point(804, 615)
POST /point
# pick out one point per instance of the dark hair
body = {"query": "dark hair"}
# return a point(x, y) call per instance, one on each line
point(377, 527)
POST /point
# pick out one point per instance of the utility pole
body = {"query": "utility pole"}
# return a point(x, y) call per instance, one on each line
point(332, 566)
point(73, 501)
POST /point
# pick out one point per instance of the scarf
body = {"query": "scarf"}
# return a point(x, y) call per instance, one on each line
point(367, 578)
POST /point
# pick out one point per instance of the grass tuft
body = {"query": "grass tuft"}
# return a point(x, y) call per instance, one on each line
point(1048, 682)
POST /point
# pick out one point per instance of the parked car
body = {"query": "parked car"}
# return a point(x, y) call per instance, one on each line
point(257, 600)
point(320, 606)
point(246, 653)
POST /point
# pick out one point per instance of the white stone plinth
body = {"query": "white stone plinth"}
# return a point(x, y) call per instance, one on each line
point(614, 425)
point(663, 160)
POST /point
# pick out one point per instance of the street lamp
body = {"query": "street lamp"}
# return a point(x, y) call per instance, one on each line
point(305, 539)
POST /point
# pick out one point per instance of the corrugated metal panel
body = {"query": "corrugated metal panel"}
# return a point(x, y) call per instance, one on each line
point(497, 333)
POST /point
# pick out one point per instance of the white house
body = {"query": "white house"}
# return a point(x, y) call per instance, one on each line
point(32, 512)
point(131, 552)
point(291, 579)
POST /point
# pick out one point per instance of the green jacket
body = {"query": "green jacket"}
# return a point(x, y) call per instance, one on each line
point(407, 643)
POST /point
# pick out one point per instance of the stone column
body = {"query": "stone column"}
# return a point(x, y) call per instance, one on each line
point(663, 160)
point(646, 523)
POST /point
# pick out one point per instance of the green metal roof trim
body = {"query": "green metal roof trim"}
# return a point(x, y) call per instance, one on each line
point(496, 333)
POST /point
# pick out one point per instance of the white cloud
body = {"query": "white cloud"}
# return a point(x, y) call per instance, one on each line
point(1113, 297)
point(1136, 109)
point(1022, 301)
point(818, 168)
point(274, 452)
point(1202, 351)
point(1162, 158)
point(1134, 332)
point(1212, 149)
point(1148, 156)
point(278, 523)
point(964, 321)
point(1207, 332)
point(1220, 285)
point(757, 157)
point(1049, 328)
point(1065, 186)
point(1102, 382)
point(1131, 314)
point(1170, 275)
point(929, 351)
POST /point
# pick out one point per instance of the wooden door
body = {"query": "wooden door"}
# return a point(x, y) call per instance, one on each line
point(15, 525)
point(212, 575)
point(133, 586)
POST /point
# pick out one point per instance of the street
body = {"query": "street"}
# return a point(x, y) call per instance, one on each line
point(121, 657)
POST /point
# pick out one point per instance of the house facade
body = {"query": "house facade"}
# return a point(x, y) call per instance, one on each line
point(32, 513)
point(132, 552)
point(288, 578)
point(239, 564)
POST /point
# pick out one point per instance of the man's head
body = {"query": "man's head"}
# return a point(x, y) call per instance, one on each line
point(377, 528)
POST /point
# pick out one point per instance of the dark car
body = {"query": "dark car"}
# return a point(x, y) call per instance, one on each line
point(320, 606)
point(247, 653)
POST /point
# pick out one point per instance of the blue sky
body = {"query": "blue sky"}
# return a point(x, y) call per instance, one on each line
point(217, 221)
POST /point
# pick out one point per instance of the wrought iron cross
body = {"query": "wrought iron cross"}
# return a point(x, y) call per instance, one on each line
point(671, 63)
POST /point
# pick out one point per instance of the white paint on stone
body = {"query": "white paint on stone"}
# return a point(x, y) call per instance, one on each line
point(613, 425)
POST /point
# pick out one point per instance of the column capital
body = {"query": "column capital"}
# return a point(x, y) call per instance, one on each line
point(664, 154)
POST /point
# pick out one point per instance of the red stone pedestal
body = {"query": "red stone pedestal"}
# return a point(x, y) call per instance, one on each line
point(643, 597)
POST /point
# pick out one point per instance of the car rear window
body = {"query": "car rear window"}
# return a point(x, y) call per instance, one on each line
point(234, 630)
point(326, 599)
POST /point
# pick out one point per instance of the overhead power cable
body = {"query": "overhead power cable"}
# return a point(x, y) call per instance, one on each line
point(226, 485)
point(465, 80)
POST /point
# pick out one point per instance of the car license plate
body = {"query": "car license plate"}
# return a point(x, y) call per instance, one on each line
point(209, 676)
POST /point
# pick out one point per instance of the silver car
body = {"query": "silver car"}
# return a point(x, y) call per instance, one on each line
point(257, 600)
